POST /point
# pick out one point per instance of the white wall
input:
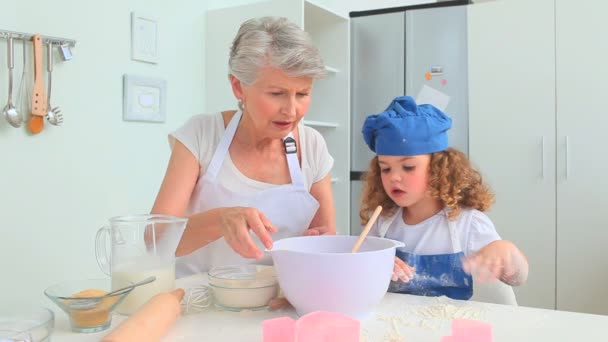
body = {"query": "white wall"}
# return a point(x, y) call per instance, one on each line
point(58, 187)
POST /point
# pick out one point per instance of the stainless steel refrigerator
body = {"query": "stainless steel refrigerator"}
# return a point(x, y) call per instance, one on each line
point(396, 52)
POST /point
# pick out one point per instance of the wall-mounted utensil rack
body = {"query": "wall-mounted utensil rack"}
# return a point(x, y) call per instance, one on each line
point(45, 39)
point(40, 107)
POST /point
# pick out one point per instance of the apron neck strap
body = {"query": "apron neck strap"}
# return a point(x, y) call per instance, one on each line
point(291, 150)
point(456, 247)
point(222, 148)
point(385, 224)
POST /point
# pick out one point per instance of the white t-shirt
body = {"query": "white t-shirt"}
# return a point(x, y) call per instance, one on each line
point(201, 135)
point(432, 236)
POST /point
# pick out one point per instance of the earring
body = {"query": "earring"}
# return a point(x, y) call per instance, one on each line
point(241, 104)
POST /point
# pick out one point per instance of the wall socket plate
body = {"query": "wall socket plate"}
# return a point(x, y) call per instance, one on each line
point(144, 99)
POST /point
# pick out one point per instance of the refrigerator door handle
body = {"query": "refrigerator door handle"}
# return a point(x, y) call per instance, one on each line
point(567, 153)
point(542, 157)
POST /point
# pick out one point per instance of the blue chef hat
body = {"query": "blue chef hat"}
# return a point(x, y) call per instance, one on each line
point(407, 129)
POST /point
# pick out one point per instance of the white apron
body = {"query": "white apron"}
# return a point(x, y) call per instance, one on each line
point(289, 207)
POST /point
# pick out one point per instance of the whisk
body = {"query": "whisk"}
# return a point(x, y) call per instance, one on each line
point(23, 92)
point(197, 299)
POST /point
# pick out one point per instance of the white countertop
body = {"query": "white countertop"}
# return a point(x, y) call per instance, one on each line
point(398, 318)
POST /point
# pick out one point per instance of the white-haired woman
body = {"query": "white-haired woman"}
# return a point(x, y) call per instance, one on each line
point(254, 169)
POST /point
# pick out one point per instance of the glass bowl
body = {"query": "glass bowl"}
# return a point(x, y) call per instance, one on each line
point(35, 325)
point(85, 304)
point(243, 287)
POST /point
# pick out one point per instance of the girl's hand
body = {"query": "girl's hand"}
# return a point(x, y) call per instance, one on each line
point(235, 225)
point(402, 271)
point(500, 259)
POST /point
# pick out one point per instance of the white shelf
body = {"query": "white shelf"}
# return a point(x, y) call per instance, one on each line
point(332, 69)
point(320, 123)
point(321, 8)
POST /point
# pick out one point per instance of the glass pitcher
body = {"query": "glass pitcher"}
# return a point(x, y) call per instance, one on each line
point(139, 246)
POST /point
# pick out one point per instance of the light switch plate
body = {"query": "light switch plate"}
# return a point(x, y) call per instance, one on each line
point(144, 99)
point(144, 38)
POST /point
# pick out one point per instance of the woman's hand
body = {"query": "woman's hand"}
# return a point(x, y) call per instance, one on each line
point(402, 271)
point(499, 259)
point(235, 223)
point(278, 303)
point(318, 231)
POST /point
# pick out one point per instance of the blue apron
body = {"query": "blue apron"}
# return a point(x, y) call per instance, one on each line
point(436, 275)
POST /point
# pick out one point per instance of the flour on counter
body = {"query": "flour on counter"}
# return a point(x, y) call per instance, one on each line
point(449, 312)
point(394, 335)
point(434, 316)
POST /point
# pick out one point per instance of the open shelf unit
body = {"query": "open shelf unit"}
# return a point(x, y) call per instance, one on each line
point(314, 123)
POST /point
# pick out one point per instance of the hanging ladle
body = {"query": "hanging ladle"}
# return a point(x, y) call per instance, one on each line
point(10, 112)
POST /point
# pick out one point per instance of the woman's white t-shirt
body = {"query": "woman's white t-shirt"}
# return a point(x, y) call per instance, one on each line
point(431, 236)
point(201, 135)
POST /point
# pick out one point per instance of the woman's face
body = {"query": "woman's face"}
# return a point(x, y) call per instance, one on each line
point(405, 179)
point(275, 102)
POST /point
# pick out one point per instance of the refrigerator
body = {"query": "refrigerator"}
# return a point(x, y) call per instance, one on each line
point(398, 52)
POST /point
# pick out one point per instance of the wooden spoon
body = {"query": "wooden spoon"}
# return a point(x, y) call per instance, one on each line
point(36, 122)
point(368, 226)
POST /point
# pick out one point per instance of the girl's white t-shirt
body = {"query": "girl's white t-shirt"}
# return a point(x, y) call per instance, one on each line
point(201, 135)
point(431, 236)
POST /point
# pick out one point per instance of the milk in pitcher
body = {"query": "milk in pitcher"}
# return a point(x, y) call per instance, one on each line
point(124, 276)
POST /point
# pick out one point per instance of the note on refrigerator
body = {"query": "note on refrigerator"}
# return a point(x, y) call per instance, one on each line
point(433, 96)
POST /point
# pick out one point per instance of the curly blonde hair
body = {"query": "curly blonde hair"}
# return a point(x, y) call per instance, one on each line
point(453, 181)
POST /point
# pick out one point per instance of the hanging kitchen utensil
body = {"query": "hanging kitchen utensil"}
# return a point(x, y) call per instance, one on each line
point(39, 99)
point(23, 94)
point(10, 112)
point(53, 114)
point(66, 53)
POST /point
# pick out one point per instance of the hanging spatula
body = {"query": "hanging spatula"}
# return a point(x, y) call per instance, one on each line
point(36, 122)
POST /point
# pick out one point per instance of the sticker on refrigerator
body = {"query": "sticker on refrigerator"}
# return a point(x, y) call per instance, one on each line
point(436, 70)
point(433, 96)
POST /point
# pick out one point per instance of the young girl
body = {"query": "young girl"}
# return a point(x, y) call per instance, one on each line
point(433, 201)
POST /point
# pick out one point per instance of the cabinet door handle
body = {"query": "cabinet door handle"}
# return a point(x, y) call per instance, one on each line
point(542, 157)
point(567, 152)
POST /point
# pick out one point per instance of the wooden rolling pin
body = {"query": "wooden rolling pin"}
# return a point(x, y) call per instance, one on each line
point(152, 321)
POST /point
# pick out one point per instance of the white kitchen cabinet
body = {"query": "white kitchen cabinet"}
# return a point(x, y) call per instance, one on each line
point(536, 127)
point(512, 129)
point(329, 112)
point(582, 161)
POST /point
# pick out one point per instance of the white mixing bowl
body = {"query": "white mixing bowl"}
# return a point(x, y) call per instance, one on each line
point(320, 273)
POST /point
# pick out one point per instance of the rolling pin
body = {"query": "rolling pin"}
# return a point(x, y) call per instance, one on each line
point(152, 321)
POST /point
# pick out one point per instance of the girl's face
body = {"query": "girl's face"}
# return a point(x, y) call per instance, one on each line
point(275, 102)
point(405, 179)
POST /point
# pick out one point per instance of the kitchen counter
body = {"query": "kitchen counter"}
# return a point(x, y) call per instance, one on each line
point(398, 318)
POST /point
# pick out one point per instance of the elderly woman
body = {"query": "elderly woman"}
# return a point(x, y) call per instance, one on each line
point(255, 169)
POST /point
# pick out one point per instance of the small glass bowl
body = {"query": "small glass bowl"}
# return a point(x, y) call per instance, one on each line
point(35, 326)
point(89, 311)
point(243, 287)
